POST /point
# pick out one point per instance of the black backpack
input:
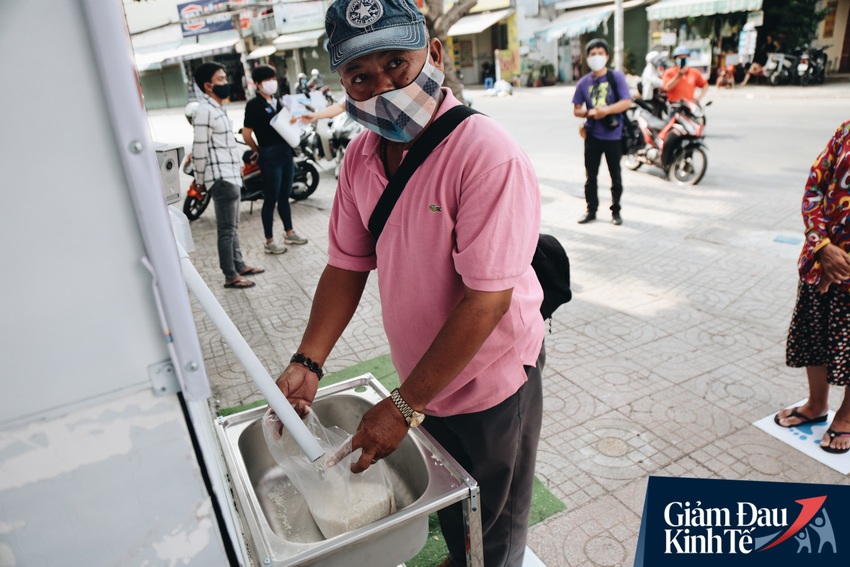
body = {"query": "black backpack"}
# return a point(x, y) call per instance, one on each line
point(550, 260)
point(632, 136)
point(552, 267)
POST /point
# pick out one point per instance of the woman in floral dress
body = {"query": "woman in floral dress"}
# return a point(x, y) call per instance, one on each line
point(819, 336)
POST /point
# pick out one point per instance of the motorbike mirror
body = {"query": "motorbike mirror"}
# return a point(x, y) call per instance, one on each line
point(709, 103)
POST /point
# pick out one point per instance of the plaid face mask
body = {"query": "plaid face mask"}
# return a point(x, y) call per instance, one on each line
point(400, 115)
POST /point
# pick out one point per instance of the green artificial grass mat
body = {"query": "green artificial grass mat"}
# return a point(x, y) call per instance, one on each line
point(381, 368)
point(543, 503)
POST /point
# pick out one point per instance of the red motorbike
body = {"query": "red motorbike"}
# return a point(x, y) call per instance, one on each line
point(674, 144)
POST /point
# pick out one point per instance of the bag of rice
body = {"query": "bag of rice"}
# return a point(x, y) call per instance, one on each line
point(339, 500)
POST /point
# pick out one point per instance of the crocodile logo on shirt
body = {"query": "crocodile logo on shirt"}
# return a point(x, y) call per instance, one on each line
point(435, 208)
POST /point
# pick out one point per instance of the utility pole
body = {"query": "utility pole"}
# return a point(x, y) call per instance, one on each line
point(618, 35)
point(250, 88)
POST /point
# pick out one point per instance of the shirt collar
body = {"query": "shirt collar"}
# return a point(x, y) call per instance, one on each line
point(212, 101)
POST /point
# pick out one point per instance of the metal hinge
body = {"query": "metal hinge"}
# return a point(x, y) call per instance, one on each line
point(163, 378)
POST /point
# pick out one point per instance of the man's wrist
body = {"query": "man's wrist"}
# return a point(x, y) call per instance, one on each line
point(308, 363)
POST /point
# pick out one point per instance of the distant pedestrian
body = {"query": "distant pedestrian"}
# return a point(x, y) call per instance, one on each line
point(595, 100)
point(218, 165)
point(682, 81)
point(275, 158)
point(819, 336)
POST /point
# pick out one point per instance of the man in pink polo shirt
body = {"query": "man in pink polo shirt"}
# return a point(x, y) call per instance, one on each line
point(460, 301)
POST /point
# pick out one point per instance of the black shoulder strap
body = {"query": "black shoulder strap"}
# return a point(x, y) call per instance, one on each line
point(430, 139)
point(613, 84)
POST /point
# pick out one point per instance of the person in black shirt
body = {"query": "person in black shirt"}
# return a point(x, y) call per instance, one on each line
point(275, 158)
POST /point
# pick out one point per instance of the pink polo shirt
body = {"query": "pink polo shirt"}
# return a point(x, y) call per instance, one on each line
point(470, 215)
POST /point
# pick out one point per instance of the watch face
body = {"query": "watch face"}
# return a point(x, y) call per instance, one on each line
point(416, 419)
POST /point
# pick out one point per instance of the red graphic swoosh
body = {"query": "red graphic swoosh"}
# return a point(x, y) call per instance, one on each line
point(811, 506)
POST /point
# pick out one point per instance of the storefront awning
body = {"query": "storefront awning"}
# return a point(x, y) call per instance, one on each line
point(299, 39)
point(575, 22)
point(262, 51)
point(151, 61)
point(670, 9)
point(477, 23)
point(202, 49)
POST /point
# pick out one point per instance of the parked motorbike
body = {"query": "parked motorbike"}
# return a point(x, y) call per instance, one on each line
point(329, 139)
point(197, 199)
point(780, 69)
point(305, 179)
point(674, 145)
point(812, 66)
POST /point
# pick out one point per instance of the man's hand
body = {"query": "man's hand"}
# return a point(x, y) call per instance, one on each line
point(836, 266)
point(307, 118)
point(381, 431)
point(601, 112)
point(299, 385)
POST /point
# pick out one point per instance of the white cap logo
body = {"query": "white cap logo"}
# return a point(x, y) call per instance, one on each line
point(363, 13)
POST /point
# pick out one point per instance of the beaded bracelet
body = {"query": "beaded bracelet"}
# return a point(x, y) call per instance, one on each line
point(300, 358)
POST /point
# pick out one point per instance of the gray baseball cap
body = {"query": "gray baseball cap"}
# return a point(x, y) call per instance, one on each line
point(358, 27)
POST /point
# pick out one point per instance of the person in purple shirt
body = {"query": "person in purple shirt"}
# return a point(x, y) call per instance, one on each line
point(602, 105)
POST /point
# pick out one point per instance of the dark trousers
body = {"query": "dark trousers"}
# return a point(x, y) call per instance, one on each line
point(498, 447)
point(593, 150)
point(278, 169)
point(226, 197)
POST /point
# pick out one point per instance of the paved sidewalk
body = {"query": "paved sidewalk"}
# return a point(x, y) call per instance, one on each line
point(672, 346)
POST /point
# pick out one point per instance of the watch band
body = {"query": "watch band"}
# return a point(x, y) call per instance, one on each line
point(410, 415)
point(302, 359)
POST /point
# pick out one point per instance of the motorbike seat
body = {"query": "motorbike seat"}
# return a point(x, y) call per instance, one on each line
point(654, 122)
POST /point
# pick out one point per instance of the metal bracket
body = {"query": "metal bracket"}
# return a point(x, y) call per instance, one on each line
point(472, 523)
point(163, 378)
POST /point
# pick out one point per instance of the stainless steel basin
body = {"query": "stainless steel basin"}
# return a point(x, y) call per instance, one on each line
point(278, 526)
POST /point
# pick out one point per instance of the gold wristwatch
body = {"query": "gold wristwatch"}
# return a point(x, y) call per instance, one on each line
point(411, 416)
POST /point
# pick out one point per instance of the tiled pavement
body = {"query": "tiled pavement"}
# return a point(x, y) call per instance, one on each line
point(672, 346)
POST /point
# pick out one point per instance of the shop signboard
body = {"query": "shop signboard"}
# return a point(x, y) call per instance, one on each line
point(664, 38)
point(756, 18)
point(192, 26)
point(291, 17)
point(747, 45)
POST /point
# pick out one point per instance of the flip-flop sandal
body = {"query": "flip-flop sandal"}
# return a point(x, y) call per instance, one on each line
point(251, 271)
point(240, 284)
point(832, 435)
point(798, 415)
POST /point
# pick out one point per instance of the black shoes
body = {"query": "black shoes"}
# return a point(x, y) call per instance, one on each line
point(588, 216)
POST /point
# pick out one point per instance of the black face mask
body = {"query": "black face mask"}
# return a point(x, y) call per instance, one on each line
point(221, 91)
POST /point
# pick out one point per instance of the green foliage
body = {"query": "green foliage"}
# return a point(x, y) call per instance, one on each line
point(796, 20)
